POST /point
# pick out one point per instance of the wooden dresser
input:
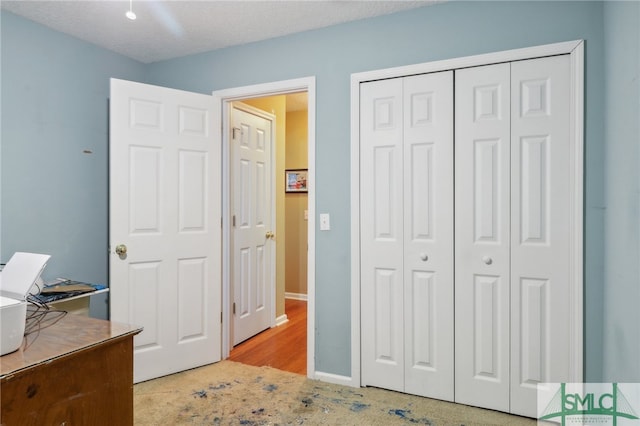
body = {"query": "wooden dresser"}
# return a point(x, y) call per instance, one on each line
point(78, 371)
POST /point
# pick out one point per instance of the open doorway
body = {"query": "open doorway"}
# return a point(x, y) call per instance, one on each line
point(282, 346)
point(294, 228)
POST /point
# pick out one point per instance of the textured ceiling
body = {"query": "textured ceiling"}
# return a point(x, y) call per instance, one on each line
point(170, 29)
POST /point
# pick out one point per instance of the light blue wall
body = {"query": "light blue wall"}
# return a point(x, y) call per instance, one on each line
point(55, 93)
point(443, 31)
point(622, 196)
point(55, 105)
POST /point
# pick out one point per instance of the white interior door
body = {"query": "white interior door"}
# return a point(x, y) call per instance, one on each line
point(407, 234)
point(428, 235)
point(382, 244)
point(165, 208)
point(513, 209)
point(253, 232)
point(482, 223)
point(518, 224)
point(540, 228)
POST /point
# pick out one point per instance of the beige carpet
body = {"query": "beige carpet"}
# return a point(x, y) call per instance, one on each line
point(229, 393)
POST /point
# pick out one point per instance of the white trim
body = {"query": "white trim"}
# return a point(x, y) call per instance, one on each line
point(295, 296)
point(356, 79)
point(469, 61)
point(576, 51)
point(222, 100)
point(281, 320)
point(577, 211)
point(334, 378)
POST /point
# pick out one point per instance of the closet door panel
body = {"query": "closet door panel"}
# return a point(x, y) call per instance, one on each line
point(540, 225)
point(482, 226)
point(428, 234)
point(382, 272)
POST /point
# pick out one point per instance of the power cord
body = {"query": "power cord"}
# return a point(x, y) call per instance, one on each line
point(39, 316)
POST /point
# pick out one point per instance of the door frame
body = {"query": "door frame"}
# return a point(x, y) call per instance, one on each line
point(222, 104)
point(576, 51)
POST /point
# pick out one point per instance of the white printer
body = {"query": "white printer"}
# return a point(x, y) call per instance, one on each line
point(16, 280)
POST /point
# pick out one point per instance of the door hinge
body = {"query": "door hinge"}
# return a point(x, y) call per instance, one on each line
point(233, 132)
point(234, 220)
point(221, 318)
point(234, 308)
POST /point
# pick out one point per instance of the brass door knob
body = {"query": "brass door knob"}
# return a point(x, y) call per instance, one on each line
point(270, 235)
point(121, 249)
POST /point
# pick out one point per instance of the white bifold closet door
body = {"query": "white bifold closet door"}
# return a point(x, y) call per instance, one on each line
point(482, 221)
point(407, 234)
point(512, 210)
point(504, 277)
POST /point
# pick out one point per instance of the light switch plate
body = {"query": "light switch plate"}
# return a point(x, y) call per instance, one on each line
point(325, 222)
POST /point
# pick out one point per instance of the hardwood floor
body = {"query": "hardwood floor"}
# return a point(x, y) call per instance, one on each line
point(283, 347)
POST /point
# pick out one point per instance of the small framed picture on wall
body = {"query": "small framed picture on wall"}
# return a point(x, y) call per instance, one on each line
point(295, 180)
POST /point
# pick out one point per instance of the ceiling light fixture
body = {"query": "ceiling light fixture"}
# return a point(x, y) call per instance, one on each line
point(130, 13)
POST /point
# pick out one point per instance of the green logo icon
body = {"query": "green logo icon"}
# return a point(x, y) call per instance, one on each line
point(588, 404)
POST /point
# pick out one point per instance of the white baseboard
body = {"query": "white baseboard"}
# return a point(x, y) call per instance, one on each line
point(335, 379)
point(295, 296)
point(282, 319)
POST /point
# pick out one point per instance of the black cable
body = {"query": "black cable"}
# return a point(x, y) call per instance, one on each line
point(39, 318)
